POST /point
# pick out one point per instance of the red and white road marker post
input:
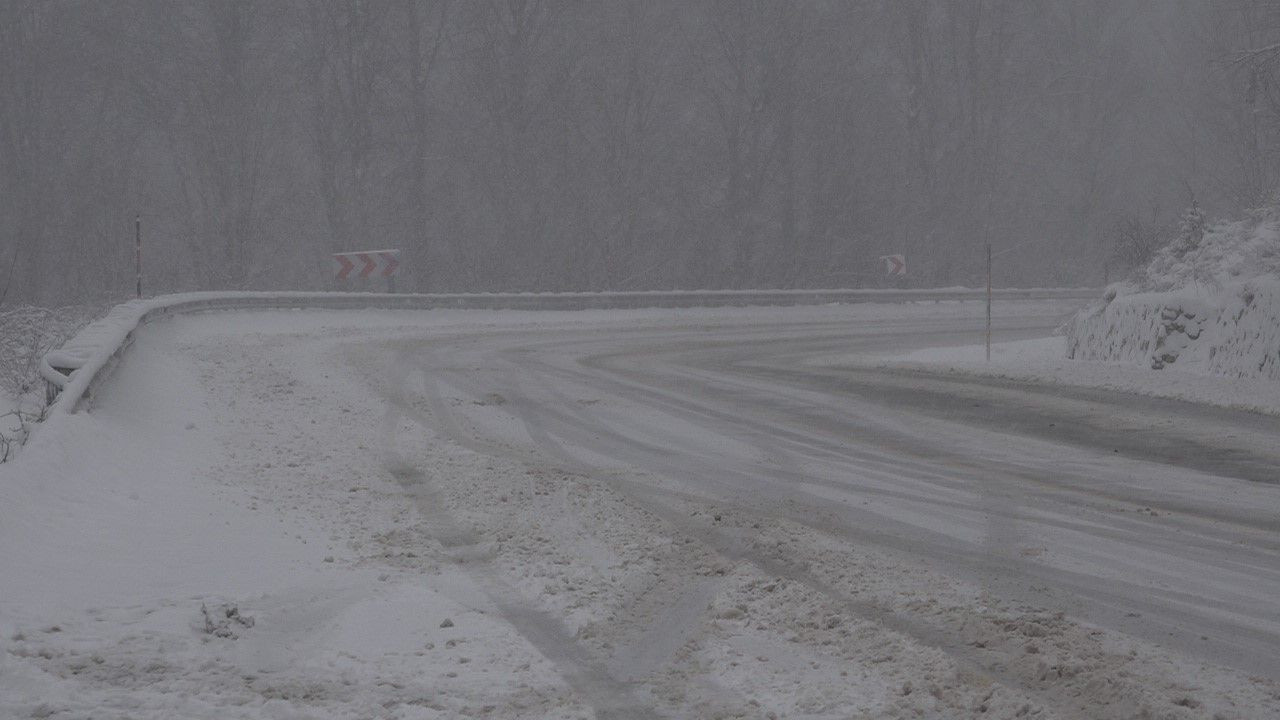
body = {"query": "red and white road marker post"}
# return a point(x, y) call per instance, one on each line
point(137, 251)
point(988, 302)
point(368, 263)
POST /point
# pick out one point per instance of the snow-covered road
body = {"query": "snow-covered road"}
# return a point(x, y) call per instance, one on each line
point(676, 513)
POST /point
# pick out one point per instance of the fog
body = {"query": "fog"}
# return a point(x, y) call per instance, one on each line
point(541, 145)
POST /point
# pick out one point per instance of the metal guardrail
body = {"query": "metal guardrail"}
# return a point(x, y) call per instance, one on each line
point(76, 370)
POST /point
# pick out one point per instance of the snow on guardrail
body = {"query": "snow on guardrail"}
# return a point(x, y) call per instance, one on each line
point(74, 371)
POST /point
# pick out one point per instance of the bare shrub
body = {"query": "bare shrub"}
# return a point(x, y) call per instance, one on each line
point(28, 332)
point(1134, 242)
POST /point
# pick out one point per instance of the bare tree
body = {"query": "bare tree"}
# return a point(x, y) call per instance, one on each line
point(220, 89)
point(346, 62)
point(428, 24)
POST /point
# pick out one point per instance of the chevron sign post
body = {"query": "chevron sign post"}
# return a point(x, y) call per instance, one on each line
point(894, 264)
point(366, 264)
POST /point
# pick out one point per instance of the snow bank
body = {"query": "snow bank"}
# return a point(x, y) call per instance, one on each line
point(1042, 361)
point(1209, 303)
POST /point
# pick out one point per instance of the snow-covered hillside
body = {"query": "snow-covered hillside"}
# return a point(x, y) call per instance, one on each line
point(1208, 302)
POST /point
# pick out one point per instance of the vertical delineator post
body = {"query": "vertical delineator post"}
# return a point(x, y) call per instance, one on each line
point(137, 252)
point(988, 302)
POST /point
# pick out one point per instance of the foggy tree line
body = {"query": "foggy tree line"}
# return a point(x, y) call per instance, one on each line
point(548, 145)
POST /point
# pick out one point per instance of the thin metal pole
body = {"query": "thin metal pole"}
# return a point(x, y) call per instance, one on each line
point(137, 251)
point(988, 302)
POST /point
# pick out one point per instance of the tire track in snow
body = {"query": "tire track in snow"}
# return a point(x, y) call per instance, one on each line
point(609, 697)
point(684, 608)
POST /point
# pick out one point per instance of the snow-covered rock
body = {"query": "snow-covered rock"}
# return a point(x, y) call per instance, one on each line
point(1209, 302)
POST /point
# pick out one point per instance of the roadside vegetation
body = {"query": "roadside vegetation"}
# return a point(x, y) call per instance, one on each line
point(27, 332)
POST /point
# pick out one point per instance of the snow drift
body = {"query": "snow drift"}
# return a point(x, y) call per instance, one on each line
point(1208, 302)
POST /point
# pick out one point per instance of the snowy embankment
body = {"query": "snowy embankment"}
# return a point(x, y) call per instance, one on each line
point(1204, 315)
point(1209, 303)
point(1231, 330)
point(1042, 361)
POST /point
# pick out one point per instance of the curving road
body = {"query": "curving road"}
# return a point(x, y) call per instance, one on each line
point(1155, 519)
point(666, 513)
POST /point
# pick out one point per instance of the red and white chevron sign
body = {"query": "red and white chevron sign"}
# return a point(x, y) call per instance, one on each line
point(894, 264)
point(383, 263)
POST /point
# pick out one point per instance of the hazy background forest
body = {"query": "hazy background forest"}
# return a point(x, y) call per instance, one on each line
point(545, 145)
